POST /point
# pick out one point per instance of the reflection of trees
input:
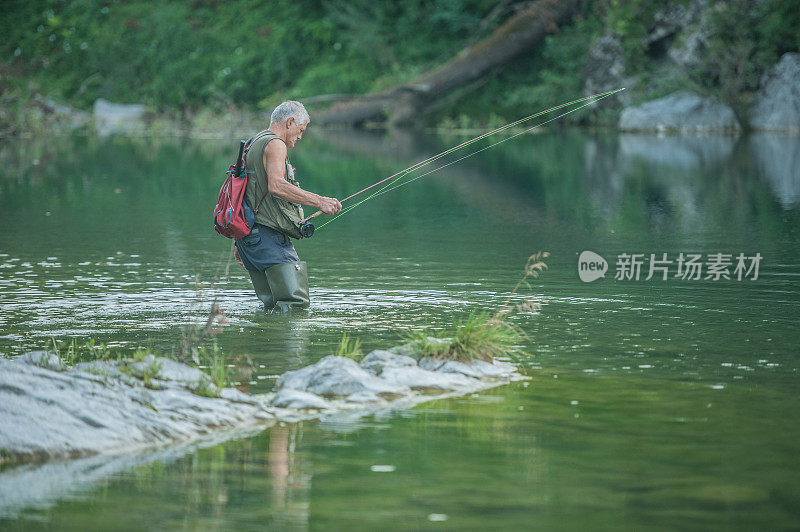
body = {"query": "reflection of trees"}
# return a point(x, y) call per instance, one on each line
point(626, 182)
point(470, 182)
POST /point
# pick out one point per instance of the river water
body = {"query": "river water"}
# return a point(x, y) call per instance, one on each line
point(654, 403)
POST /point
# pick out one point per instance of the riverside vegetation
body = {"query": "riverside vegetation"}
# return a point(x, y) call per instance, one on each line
point(143, 364)
point(191, 60)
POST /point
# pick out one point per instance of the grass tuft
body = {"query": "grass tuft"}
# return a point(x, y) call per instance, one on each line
point(479, 337)
point(206, 388)
point(216, 365)
point(349, 347)
point(485, 336)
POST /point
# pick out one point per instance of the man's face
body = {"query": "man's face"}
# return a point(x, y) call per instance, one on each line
point(295, 131)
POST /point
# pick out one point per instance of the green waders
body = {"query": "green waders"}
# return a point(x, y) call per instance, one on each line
point(282, 287)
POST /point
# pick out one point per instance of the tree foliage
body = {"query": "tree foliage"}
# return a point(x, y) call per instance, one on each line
point(186, 54)
point(191, 54)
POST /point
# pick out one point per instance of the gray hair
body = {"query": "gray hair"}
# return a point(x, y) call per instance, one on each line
point(290, 109)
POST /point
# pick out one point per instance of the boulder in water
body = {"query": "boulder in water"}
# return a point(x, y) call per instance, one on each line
point(678, 113)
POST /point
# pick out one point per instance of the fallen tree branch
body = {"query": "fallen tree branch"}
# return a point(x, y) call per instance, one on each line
point(403, 104)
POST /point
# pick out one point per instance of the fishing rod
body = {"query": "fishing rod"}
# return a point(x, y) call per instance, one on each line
point(386, 188)
point(307, 228)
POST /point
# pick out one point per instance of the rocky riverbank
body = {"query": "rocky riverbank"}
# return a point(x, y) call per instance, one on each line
point(775, 108)
point(48, 410)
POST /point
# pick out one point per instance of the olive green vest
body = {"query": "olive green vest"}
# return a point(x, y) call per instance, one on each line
point(274, 212)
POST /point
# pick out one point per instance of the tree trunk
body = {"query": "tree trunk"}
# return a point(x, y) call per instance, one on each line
point(405, 103)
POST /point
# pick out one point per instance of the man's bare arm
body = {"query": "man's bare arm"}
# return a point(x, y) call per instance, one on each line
point(275, 163)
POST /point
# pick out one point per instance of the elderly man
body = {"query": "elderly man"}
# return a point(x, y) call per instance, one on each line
point(272, 208)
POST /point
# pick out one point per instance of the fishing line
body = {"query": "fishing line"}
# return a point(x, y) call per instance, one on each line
point(402, 174)
point(394, 178)
point(478, 151)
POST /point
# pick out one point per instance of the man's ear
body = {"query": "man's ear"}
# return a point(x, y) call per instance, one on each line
point(290, 122)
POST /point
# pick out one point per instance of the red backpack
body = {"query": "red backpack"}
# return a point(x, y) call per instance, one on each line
point(229, 219)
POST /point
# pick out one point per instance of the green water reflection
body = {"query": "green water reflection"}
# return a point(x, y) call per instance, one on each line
point(654, 404)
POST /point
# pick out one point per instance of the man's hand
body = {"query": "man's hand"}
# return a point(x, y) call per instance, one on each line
point(329, 205)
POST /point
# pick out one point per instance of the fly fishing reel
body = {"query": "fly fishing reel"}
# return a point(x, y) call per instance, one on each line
point(306, 229)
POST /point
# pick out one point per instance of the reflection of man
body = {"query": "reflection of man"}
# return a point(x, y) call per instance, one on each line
point(291, 487)
point(272, 208)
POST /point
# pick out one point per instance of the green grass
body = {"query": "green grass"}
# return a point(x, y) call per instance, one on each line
point(69, 355)
point(70, 352)
point(349, 347)
point(216, 365)
point(479, 337)
point(206, 388)
point(484, 335)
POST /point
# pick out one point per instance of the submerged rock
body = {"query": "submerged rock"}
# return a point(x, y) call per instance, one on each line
point(777, 104)
point(680, 112)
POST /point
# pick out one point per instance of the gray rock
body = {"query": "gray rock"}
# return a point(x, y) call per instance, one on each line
point(111, 118)
point(337, 377)
point(365, 398)
point(673, 18)
point(63, 117)
point(100, 368)
point(43, 359)
point(377, 360)
point(420, 379)
point(236, 396)
point(680, 112)
point(605, 71)
point(405, 350)
point(101, 407)
point(171, 370)
point(298, 399)
point(476, 369)
point(776, 106)
point(73, 412)
point(691, 42)
point(676, 40)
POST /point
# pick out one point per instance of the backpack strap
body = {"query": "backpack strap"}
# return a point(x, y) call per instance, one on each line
point(252, 140)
